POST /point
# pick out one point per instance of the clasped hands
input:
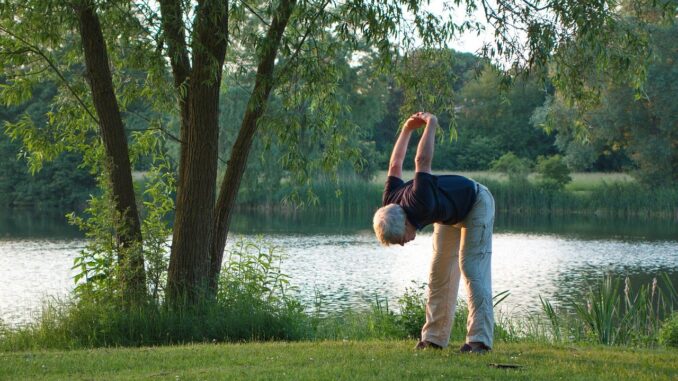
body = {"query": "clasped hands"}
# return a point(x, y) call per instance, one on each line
point(419, 120)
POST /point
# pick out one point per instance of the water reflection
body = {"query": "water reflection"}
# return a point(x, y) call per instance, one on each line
point(335, 259)
point(52, 224)
point(590, 227)
point(584, 227)
point(27, 223)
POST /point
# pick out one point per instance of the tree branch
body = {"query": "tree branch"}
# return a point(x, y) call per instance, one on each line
point(304, 37)
point(251, 9)
point(54, 68)
point(161, 129)
point(241, 148)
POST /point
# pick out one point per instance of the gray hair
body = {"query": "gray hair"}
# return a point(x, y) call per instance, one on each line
point(389, 224)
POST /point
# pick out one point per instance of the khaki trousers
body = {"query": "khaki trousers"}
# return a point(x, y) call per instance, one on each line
point(464, 248)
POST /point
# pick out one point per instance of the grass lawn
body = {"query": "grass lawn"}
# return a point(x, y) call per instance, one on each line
point(370, 360)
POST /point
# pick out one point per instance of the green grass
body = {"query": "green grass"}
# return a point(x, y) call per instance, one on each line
point(590, 181)
point(336, 360)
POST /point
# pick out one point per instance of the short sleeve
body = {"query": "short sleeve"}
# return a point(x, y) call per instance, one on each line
point(392, 184)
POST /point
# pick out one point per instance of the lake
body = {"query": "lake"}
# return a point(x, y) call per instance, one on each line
point(335, 257)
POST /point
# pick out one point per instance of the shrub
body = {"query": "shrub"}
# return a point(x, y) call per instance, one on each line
point(516, 168)
point(668, 335)
point(553, 172)
point(412, 310)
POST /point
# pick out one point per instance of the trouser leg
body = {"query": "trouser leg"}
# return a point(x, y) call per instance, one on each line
point(475, 257)
point(443, 285)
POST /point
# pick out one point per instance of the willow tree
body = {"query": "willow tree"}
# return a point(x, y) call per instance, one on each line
point(109, 55)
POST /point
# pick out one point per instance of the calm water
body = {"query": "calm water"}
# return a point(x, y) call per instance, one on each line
point(338, 258)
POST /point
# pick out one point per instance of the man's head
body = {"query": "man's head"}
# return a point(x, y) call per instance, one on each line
point(391, 226)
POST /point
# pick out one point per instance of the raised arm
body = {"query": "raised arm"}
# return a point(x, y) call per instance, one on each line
point(395, 165)
point(424, 156)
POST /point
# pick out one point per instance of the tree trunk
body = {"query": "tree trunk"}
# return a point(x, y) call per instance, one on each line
point(175, 37)
point(189, 260)
point(130, 257)
point(241, 148)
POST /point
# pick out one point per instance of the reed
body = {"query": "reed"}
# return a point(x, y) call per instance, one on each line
point(613, 315)
point(619, 198)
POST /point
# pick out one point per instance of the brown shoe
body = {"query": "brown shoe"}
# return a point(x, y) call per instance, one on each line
point(474, 347)
point(425, 344)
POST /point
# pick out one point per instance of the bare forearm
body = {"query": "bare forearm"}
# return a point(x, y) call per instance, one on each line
point(426, 146)
point(395, 166)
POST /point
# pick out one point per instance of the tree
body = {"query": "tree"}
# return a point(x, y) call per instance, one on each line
point(286, 44)
point(631, 128)
point(553, 172)
point(497, 120)
point(514, 167)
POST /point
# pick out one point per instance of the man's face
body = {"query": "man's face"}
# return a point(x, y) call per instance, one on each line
point(410, 233)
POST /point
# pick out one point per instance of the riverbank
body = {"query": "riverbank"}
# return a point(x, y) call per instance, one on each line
point(336, 360)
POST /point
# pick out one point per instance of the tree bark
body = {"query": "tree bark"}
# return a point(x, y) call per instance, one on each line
point(241, 148)
point(189, 260)
point(130, 257)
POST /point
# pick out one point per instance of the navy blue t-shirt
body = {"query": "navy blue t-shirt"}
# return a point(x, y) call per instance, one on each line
point(427, 199)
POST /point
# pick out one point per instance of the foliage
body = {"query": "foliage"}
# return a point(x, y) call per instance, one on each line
point(426, 77)
point(158, 205)
point(627, 128)
point(61, 183)
point(98, 265)
point(253, 270)
point(668, 334)
point(553, 172)
point(616, 199)
point(488, 109)
point(412, 314)
point(514, 167)
point(403, 321)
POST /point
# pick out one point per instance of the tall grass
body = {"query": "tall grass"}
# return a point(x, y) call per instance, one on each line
point(619, 198)
point(382, 321)
point(348, 196)
point(612, 315)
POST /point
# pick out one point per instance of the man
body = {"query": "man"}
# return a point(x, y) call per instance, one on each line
point(462, 212)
